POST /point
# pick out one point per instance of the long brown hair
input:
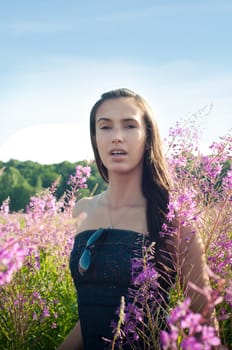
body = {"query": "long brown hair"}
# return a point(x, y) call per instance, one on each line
point(155, 187)
point(155, 179)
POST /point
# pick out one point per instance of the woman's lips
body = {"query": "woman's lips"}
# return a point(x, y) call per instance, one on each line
point(117, 153)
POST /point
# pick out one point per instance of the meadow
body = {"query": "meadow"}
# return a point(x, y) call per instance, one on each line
point(37, 297)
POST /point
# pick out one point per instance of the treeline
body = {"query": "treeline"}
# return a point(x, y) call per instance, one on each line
point(21, 180)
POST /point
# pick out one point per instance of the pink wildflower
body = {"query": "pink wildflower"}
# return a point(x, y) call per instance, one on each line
point(11, 260)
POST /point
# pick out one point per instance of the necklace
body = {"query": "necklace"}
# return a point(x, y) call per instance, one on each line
point(109, 212)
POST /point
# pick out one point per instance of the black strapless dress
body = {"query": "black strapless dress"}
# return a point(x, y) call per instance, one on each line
point(100, 288)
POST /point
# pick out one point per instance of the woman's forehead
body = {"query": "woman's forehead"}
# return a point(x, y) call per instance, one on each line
point(123, 106)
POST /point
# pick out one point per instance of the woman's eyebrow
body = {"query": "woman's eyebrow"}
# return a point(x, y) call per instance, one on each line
point(103, 119)
point(129, 119)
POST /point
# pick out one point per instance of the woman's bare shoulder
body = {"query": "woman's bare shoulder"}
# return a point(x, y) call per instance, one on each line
point(84, 210)
point(84, 204)
point(81, 204)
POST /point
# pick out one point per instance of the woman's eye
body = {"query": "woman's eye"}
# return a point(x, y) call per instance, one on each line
point(104, 127)
point(130, 126)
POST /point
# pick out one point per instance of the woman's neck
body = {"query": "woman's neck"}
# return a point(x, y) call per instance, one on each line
point(125, 191)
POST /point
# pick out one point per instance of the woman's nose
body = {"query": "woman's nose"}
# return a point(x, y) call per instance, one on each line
point(117, 137)
point(116, 140)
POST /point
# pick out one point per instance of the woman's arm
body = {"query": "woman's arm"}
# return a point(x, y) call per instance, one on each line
point(193, 269)
point(74, 339)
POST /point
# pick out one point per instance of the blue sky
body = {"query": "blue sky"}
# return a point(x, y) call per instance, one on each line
point(58, 56)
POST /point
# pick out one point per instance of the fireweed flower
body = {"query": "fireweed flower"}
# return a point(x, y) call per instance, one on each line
point(221, 256)
point(222, 148)
point(129, 329)
point(191, 321)
point(82, 171)
point(178, 162)
point(79, 179)
point(184, 204)
point(220, 262)
point(187, 328)
point(11, 260)
point(169, 341)
point(46, 312)
point(209, 338)
point(43, 205)
point(133, 316)
point(190, 343)
point(126, 332)
point(184, 137)
point(228, 294)
point(142, 307)
point(4, 208)
point(227, 181)
point(179, 312)
point(211, 166)
point(144, 273)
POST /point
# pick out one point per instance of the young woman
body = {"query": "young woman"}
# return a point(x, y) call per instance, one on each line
point(115, 225)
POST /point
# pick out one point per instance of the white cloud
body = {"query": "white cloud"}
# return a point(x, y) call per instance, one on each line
point(48, 144)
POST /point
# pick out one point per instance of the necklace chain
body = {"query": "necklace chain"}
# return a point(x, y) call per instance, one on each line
point(109, 211)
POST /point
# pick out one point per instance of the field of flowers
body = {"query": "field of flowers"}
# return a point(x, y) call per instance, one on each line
point(37, 296)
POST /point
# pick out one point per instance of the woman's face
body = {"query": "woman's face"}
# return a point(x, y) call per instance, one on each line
point(120, 135)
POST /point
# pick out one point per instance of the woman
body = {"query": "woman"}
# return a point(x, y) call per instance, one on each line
point(115, 225)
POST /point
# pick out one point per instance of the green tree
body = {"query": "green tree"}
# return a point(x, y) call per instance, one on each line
point(20, 196)
point(20, 180)
point(95, 182)
point(15, 186)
